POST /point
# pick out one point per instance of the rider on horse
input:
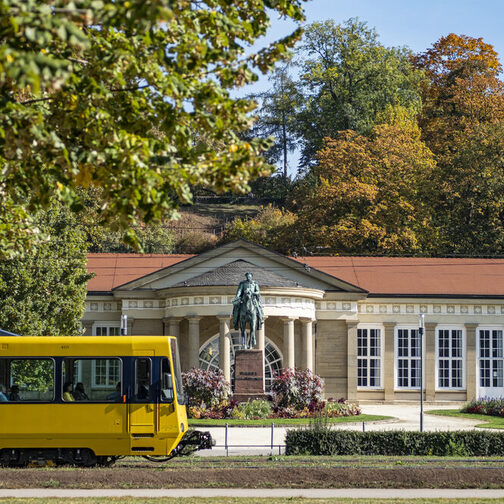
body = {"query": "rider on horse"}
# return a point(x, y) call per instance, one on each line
point(248, 290)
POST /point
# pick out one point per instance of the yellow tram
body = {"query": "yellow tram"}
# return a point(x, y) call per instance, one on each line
point(89, 400)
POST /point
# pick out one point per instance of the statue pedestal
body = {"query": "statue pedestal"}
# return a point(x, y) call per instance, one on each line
point(248, 375)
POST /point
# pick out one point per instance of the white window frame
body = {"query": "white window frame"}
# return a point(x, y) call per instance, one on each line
point(368, 357)
point(108, 326)
point(450, 328)
point(107, 385)
point(408, 358)
point(490, 358)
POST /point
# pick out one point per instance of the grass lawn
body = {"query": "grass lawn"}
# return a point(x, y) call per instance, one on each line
point(490, 422)
point(280, 422)
point(233, 500)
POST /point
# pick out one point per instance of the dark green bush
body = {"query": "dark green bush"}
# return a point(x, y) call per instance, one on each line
point(323, 441)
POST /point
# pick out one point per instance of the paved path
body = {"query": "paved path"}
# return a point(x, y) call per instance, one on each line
point(314, 493)
point(406, 417)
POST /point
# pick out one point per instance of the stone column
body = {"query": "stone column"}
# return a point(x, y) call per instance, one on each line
point(388, 360)
point(194, 341)
point(174, 326)
point(307, 338)
point(261, 336)
point(131, 321)
point(288, 341)
point(471, 361)
point(225, 347)
point(430, 361)
point(351, 360)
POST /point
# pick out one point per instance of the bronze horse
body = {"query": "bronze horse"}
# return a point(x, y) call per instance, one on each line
point(247, 313)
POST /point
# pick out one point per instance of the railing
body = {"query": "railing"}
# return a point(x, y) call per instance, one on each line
point(272, 445)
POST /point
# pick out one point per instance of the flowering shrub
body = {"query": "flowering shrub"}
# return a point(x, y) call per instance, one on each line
point(296, 389)
point(341, 409)
point(485, 406)
point(226, 409)
point(205, 388)
point(253, 410)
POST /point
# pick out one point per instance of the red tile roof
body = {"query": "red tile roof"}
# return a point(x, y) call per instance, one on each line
point(113, 270)
point(378, 275)
point(416, 275)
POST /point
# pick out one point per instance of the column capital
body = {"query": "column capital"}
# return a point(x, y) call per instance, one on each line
point(430, 326)
point(223, 318)
point(167, 320)
point(352, 324)
point(306, 320)
point(288, 319)
point(193, 318)
point(389, 325)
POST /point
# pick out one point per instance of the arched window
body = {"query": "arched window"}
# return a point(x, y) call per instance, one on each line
point(209, 357)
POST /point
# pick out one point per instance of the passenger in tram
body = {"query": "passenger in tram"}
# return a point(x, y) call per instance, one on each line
point(67, 392)
point(79, 393)
point(3, 392)
point(14, 393)
point(116, 395)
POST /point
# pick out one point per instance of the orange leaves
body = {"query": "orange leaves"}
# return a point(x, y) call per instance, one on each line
point(370, 191)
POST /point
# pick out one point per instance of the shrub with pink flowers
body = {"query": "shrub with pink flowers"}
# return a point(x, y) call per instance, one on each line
point(205, 388)
point(297, 389)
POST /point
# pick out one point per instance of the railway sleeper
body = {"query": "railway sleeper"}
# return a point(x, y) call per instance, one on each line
point(39, 457)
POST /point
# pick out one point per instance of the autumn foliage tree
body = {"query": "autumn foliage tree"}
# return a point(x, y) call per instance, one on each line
point(369, 197)
point(462, 90)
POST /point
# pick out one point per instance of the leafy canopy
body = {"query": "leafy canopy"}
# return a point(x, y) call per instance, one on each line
point(130, 96)
point(43, 291)
point(348, 78)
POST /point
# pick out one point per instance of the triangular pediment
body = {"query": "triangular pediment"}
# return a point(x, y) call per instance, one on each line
point(227, 265)
point(233, 273)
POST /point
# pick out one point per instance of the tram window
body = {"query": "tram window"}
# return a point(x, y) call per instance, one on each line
point(143, 379)
point(30, 380)
point(167, 394)
point(91, 379)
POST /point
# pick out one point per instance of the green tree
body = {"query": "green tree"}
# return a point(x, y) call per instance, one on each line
point(348, 78)
point(272, 227)
point(130, 96)
point(43, 291)
point(276, 117)
point(469, 197)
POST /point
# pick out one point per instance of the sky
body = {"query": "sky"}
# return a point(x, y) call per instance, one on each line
point(416, 24)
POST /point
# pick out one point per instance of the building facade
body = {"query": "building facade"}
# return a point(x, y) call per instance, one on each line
point(352, 320)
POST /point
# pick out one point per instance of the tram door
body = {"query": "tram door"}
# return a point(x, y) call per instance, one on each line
point(142, 411)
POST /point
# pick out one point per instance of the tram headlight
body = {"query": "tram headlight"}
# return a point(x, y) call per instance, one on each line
point(182, 427)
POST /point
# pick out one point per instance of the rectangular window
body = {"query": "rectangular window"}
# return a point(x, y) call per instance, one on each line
point(450, 352)
point(491, 357)
point(408, 358)
point(28, 380)
point(143, 379)
point(369, 358)
point(91, 379)
point(107, 330)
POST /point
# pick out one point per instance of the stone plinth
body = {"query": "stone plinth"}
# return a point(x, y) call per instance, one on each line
point(249, 375)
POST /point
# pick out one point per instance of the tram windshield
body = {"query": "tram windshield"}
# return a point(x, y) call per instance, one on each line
point(176, 372)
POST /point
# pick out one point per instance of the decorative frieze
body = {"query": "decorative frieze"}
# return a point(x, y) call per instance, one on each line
point(366, 307)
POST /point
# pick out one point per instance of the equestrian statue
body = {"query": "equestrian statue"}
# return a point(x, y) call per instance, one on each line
point(247, 308)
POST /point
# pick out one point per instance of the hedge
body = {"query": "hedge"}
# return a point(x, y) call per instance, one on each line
point(339, 442)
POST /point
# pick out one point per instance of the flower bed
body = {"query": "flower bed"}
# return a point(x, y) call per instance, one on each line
point(485, 406)
point(294, 394)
